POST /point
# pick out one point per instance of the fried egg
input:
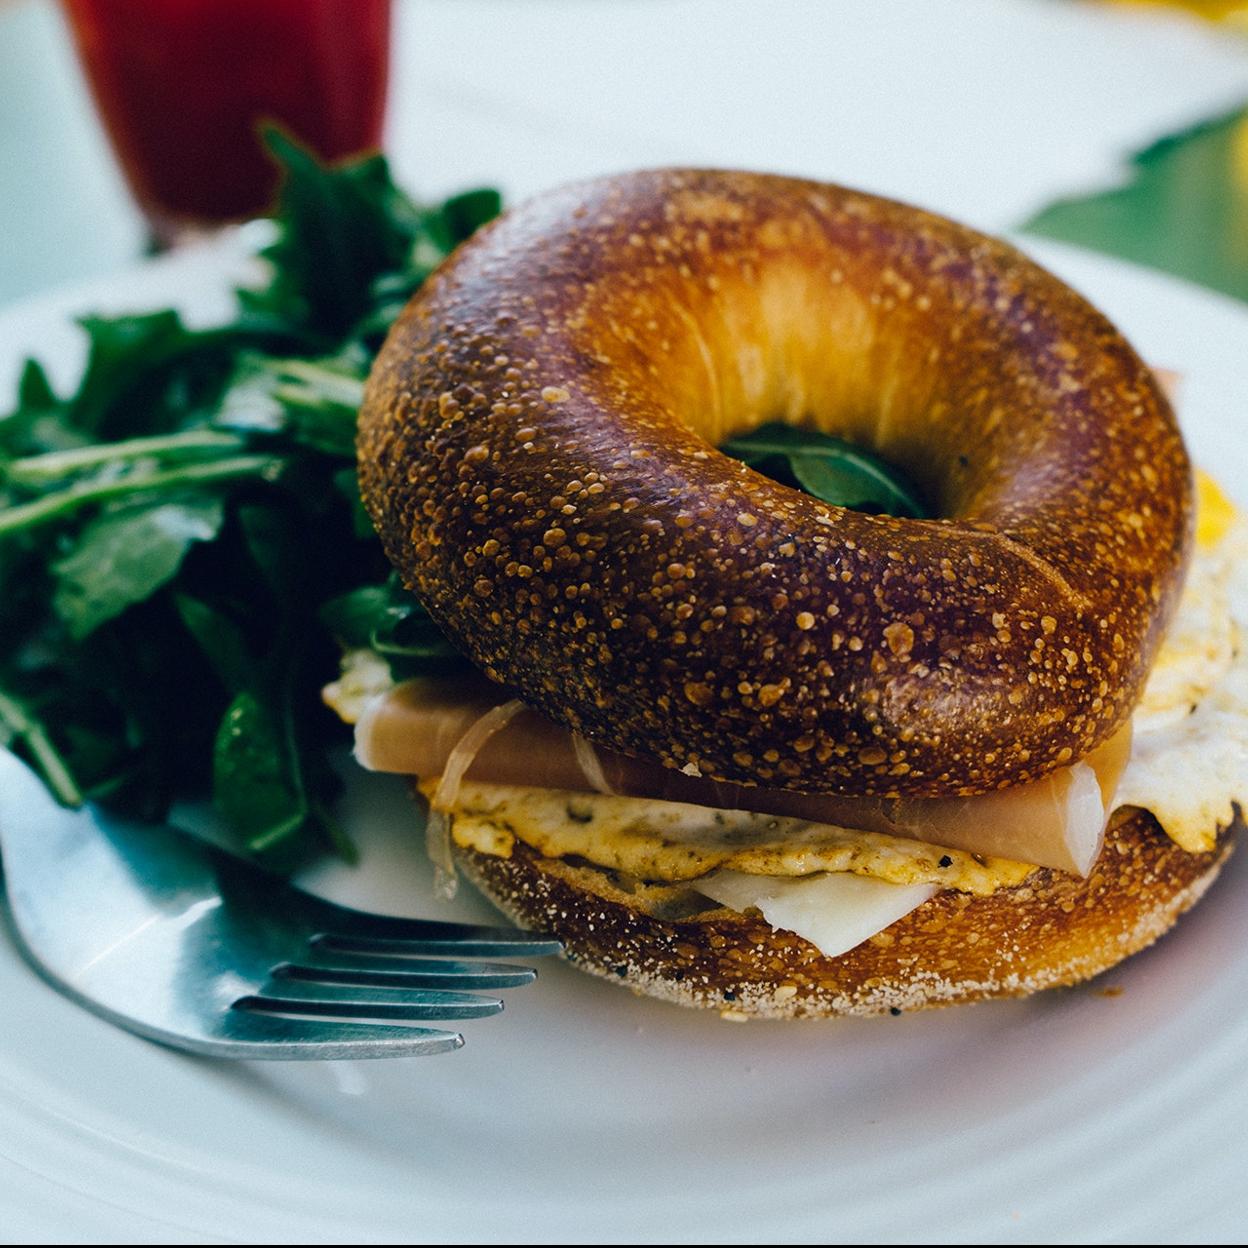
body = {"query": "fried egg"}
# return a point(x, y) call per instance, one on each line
point(674, 842)
point(1189, 758)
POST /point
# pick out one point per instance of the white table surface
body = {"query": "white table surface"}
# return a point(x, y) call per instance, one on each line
point(983, 109)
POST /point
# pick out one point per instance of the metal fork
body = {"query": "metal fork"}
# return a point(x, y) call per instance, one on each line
point(186, 945)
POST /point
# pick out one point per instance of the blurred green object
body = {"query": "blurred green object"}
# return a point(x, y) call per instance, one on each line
point(1184, 208)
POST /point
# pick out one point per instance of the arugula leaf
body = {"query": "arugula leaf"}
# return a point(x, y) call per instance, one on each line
point(313, 402)
point(123, 557)
point(352, 247)
point(347, 483)
point(414, 643)
point(858, 481)
point(276, 545)
point(17, 722)
point(222, 639)
point(36, 401)
point(341, 228)
point(34, 471)
point(168, 530)
point(34, 390)
point(831, 469)
point(117, 344)
point(255, 782)
point(391, 621)
point(260, 782)
point(355, 617)
point(136, 681)
point(144, 374)
point(462, 216)
point(64, 504)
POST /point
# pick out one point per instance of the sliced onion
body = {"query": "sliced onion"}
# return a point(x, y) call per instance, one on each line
point(1169, 380)
point(591, 765)
point(446, 795)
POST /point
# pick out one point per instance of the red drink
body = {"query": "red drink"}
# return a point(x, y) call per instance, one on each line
point(182, 84)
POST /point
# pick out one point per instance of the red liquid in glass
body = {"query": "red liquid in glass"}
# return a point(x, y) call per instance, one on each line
point(182, 84)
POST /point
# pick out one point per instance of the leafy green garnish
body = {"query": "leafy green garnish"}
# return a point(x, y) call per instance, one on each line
point(312, 402)
point(353, 244)
point(342, 229)
point(262, 781)
point(390, 621)
point(125, 556)
point(183, 552)
point(19, 725)
point(831, 469)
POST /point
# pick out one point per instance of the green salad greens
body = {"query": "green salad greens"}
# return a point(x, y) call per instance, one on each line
point(182, 548)
point(827, 467)
point(183, 554)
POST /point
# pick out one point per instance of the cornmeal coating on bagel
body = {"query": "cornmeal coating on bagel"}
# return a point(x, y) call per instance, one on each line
point(538, 452)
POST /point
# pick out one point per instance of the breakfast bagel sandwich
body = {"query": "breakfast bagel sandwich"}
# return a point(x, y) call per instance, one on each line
point(740, 747)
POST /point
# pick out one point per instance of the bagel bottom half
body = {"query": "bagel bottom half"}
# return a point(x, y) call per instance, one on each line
point(666, 941)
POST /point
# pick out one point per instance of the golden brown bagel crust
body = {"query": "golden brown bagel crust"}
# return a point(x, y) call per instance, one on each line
point(537, 452)
point(1051, 930)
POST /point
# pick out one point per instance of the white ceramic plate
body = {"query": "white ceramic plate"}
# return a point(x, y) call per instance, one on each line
point(585, 1114)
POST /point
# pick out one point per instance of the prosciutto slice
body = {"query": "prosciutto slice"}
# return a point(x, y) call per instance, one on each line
point(417, 728)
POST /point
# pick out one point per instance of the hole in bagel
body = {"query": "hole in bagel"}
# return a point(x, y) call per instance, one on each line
point(944, 359)
point(829, 468)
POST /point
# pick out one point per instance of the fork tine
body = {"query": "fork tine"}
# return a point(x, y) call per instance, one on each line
point(379, 971)
point(418, 937)
point(300, 996)
point(259, 1036)
point(345, 927)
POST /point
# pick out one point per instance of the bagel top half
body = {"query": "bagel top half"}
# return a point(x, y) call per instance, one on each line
point(537, 449)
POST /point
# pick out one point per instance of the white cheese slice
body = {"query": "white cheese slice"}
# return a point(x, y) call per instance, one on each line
point(834, 912)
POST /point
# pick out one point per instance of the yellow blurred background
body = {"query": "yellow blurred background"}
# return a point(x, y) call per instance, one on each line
point(1233, 11)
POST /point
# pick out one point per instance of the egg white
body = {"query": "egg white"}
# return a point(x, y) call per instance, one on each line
point(1189, 757)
